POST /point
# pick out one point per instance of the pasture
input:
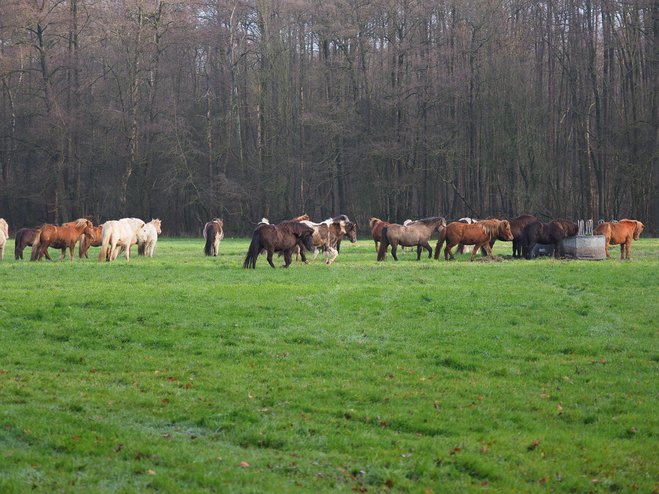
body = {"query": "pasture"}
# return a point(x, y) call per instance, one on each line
point(187, 373)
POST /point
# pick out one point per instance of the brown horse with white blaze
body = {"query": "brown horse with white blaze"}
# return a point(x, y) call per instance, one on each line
point(416, 234)
point(620, 233)
point(477, 234)
point(60, 237)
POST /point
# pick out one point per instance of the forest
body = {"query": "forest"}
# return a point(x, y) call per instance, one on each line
point(188, 110)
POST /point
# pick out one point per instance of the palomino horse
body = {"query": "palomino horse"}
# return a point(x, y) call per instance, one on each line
point(213, 234)
point(86, 242)
point(621, 233)
point(477, 234)
point(537, 232)
point(147, 246)
point(376, 230)
point(60, 237)
point(4, 235)
point(278, 238)
point(416, 233)
point(24, 237)
point(139, 235)
point(119, 233)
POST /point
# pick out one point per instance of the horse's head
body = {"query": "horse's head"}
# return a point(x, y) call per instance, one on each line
point(638, 229)
point(504, 230)
point(351, 231)
point(157, 223)
point(88, 228)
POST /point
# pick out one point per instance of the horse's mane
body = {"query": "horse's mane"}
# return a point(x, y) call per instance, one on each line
point(638, 226)
point(295, 227)
point(373, 221)
point(429, 220)
point(219, 221)
point(492, 227)
point(81, 222)
point(304, 217)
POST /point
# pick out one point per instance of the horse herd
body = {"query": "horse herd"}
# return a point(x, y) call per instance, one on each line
point(300, 235)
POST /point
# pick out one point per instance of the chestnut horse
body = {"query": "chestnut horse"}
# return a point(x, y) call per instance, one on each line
point(60, 237)
point(376, 230)
point(621, 233)
point(24, 237)
point(147, 246)
point(416, 233)
point(546, 233)
point(477, 234)
point(86, 242)
point(4, 235)
point(283, 237)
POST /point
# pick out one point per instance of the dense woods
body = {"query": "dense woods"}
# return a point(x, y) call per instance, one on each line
point(396, 109)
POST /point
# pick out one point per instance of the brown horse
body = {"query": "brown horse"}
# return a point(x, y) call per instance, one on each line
point(278, 238)
point(477, 234)
point(620, 233)
point(416, 234)
point(517, 228)
point(60, 237)
point(537, 232)
point(376, 230)
point(86, 242)
point(24, 237)
point(213, 234)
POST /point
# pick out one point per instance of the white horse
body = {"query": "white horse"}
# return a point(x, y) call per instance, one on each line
point(152, 230)
point(122, 233)
point(213, 234)
point(4, 235)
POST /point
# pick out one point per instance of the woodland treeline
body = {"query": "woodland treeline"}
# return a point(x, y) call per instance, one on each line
point(395, 109)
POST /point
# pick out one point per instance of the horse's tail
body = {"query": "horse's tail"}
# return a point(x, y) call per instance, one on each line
point(36, 246)
point(208, 248)
point(384, 244)
point(440, 242)
point(105, 245)
point(17, 245)
point(253, 252)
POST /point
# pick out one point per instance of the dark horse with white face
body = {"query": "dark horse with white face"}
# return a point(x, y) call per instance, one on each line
point(283, 237)
point(416, 233)
point(546, 233)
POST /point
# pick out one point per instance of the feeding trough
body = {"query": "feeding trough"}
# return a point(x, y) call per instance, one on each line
point(584, 246)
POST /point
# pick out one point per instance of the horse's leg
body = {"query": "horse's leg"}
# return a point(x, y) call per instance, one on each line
point(376, 245)
point(606, 247)
point(63, 254)
point(316, 250)
point(44, 252)
point(424, 246)
point(335, 254)
point(529, 253)
point(488, 248)
point(288, 258)
point(473, 253)
point(270, 253)
point(626, 245)
point(394, 246)
point(447, 250)
point(71, 251)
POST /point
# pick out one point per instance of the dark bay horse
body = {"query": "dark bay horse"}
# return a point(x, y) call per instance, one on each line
point(213, 234)
point(283, 237)
point(416, 234)
point(85, 242)
point(554, 232)
point(376, 230)
point(477, 234)
point(24, 237)
point(621, 233)
point(517, 227)
point(60, 237)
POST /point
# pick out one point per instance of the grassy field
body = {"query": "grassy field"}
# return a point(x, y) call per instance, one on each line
point(186, 373)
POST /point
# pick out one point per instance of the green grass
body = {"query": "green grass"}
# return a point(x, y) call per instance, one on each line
point(167, 373)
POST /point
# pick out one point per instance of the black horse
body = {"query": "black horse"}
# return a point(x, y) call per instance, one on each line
point(546, 233)
point(283, 237)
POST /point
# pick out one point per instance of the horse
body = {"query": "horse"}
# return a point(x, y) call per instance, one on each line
point(546, 233)
point(328, 235)
point(4, 235)
point(213, 234)
point(621, 233)
point(339, 230)
point(417, 233)
point(377, 225)
point(119, 233)
point(86, 242)
point(320, 239)
point(24, 237)
point(146, 246)
point(477, 234)
point(60, 237)
point(466, 249)
point(139, 235)
point(344, 218)
point(283, 237)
